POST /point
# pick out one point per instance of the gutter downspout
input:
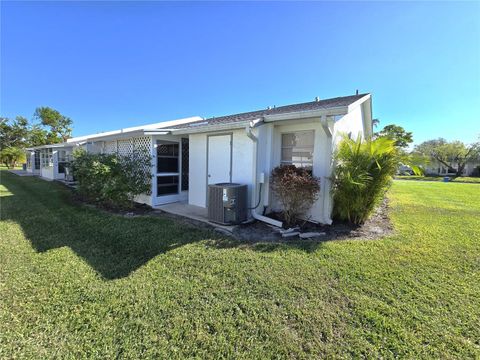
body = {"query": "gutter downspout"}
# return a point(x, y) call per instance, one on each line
point(248, 130)
point(326, 179)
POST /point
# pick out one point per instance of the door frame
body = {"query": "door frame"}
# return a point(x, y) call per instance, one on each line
point(208, 151)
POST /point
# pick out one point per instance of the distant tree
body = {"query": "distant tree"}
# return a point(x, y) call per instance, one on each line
point(37, 136)
point(454, 154)
point(13, 133)
point(60, 125)
point(397, 133)
point(11, 156)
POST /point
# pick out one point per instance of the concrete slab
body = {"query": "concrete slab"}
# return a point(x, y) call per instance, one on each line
point(21, 172)
point(193, 212)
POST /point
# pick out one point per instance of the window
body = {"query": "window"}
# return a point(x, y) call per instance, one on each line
point(167, 167)
point(47, 158)
point(63, 160)
point(297, 149)
point(37, 160)
point(167, 185)
point(185, 149)
point(167, 157)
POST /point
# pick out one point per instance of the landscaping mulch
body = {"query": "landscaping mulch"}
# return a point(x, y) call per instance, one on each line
point(378, 226)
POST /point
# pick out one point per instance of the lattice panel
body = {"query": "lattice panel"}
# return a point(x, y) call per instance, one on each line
point(110, 147)
point(125, 147)
point(142, 143)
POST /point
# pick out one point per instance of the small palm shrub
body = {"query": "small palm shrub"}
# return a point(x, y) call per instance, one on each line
point(111, 179)
point(363, 173)
point(11, 156)
point(296, 189)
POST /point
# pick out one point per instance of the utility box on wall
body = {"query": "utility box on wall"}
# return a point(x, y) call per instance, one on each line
point(227, 203)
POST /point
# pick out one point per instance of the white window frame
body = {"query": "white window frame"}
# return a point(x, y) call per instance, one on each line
point(164, 174)
point(304, 164)
point(46, 159)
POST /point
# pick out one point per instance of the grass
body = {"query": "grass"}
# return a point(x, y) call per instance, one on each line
point(3, 167)
point(76, 282)
point(460, 179)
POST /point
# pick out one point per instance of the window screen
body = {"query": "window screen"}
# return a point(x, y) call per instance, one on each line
point(185, 158)
point(297, 149)
point(167, 157)
point(167, 163)
point(167, 185)
point(37, 160)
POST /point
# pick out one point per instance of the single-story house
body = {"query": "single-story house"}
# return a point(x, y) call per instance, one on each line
point(48, 161)
point(189, 154)
point(435, 168)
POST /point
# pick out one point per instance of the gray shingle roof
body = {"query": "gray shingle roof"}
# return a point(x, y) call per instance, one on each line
point(252, 115)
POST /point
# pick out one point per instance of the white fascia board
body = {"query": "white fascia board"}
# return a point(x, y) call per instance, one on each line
point(50, 146)
point(341, 110)
point(211, 128)
point(115, 136)
point(166, 124)
point(93, 136)
point(135, 129)
point(358, 102)
point(157, 132)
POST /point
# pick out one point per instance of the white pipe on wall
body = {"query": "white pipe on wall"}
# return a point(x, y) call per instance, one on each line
point(254, 139)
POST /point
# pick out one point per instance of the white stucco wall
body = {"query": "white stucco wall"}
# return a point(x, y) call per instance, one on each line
point(351, 123)
point(242, 164)
point(242, 161)
point(197, 188)
point(320, 160)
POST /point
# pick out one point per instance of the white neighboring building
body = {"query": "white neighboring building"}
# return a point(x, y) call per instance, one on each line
point(48, 161)
point(189, 154)
point(435, 168)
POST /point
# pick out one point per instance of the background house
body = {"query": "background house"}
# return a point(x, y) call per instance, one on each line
point(436, 168)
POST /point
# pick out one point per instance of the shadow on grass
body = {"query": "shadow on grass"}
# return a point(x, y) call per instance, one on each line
point(113, 245)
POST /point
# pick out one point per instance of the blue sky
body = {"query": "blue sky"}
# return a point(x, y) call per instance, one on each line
point(110, 65)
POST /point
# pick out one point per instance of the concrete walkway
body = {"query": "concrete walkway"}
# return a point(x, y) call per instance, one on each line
point(193, 212)
point(20, 172)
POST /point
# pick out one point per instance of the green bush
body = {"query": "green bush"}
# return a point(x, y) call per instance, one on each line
point(111, 179)
point(296, 189)
point(363, 172)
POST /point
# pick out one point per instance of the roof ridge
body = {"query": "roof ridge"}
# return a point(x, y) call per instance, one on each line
point(276, 108)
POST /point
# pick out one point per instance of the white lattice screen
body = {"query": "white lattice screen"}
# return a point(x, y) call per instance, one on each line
point(110, 147)
point(127, 146)
point(142, 143)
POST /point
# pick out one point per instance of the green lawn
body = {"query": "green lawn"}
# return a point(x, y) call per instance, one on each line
point(79, 283)
point(461, 179)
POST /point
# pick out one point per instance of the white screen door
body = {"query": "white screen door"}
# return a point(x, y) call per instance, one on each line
point(219, 158)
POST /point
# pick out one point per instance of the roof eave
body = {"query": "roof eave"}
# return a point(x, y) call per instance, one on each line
point(305, 114)
point(359, 102)
point(48, 146)
point(211, 128)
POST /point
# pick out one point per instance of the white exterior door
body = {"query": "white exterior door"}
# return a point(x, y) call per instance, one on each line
point(219, 159)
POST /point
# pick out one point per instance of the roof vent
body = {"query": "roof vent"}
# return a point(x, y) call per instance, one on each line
point(317, 98)
point(269, 108)
point(356, 92)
